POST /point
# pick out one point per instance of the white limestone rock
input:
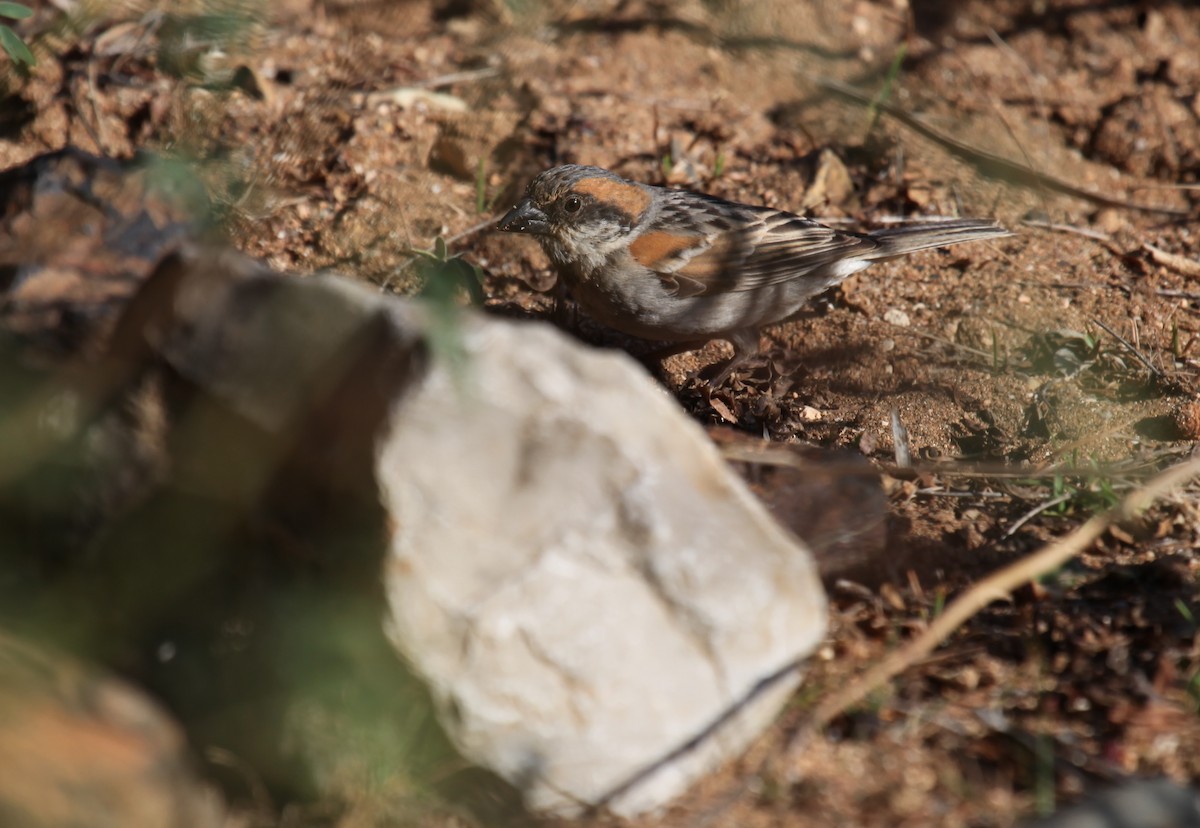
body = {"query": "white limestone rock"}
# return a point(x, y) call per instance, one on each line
point(585, 585)
point(602, 610)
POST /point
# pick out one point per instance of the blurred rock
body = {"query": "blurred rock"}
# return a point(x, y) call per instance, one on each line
point(78, 234)
point(81, 749)
point(830, 499)
point(78, 443)
point(256, 515)
point(603, 610)
point(268, 346)
point(1139, 803)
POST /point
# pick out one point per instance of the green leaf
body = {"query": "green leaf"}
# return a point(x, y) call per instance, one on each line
point(14, 11)
point(16, 49)
point(466, 276)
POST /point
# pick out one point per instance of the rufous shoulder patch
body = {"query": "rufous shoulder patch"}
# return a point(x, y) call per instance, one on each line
point(628, 198)
point(655, 247)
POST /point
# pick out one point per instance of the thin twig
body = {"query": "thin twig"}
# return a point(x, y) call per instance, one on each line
point(1180, 264)
point(1032, 78)
point(1092, 437)
point(471, 231)
point(990, 164)
point(781, 456)
point(1067, 228)
point(1034, 512)
point(998, 111)
point(458, 77)
point(1141, 358)
point(981, 495)
point(944, 341)
point(997, 586)
point(768, 454)
point(1073, 286)
point(900, 441)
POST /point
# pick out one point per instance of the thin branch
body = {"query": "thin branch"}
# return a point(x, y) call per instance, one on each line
point(458, 77)
point(471, 231)
point(997, 586)
point(1073, 286)
point(1141, 358)
point(942, 340)
point(1173, 261)
point(1032, 78)
point(769, 454)
point(978, 495)
point(900, 441)
point(1067, 228)
point(989, 164)
point(1034, 512)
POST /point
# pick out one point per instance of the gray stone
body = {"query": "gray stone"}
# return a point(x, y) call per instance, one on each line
point(1136, 803)
point(602, 609)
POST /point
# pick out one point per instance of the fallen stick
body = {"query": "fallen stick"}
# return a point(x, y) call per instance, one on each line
point(996, 586)
point(989, 164)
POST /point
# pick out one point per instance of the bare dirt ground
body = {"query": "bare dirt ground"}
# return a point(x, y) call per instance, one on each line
point(1039, 377)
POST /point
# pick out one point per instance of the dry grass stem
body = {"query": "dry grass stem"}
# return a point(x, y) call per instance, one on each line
point(997, 586)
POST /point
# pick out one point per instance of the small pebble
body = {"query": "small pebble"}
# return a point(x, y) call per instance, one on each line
point(1187, 419)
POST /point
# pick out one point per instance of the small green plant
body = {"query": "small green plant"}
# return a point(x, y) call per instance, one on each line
point(1186, 611)
point(1087, 495)
point(1076, 495)
point(9, 40)
point(446, 277)
point(939, 603)
point(482, 203)
point(1043, 785)
point(885, 92)
point(719, 164)
point(999, 362)
point(1193, 691)
point(446, 274)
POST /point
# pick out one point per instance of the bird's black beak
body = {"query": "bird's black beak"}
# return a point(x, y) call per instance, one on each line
point(524, 218)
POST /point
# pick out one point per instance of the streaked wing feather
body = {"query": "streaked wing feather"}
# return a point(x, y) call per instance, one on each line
point(741, 248)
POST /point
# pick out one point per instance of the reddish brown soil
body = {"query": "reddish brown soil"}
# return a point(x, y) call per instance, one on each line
point(994, 355)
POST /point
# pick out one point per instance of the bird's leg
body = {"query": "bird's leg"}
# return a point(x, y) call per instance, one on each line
point(745, 347)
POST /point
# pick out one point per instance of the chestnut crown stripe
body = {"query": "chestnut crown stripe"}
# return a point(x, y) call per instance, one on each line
point(630, 199)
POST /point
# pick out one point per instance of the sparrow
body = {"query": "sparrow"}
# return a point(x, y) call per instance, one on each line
point(685, 267)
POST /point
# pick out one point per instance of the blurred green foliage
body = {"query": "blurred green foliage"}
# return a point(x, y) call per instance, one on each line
point(10, 41)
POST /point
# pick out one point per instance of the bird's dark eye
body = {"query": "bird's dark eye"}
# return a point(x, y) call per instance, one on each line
point(572, 204)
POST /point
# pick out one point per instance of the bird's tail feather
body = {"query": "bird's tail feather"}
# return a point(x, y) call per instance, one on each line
point(898, 241)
